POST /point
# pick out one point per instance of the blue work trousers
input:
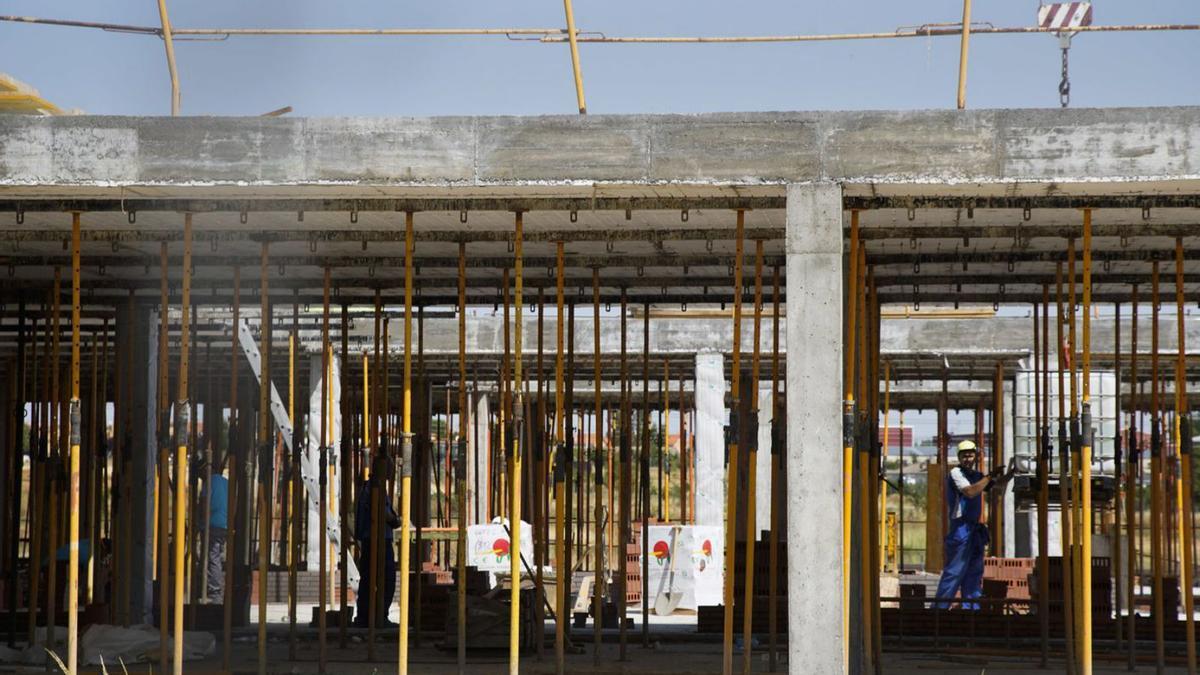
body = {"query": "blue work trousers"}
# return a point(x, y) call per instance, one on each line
point(963, 563)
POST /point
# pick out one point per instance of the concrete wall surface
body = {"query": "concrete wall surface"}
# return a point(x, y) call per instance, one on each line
point(919, 146)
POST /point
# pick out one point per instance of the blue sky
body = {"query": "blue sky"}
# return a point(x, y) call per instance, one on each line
point(110, 73)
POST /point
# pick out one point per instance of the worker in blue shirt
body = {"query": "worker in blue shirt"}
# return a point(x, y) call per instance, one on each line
point(364, 533)
point(217, 492)
point(967, 539)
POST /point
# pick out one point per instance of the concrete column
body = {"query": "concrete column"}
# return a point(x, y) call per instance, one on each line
point(710, 440)
point(477, 448)
point(814, 432)
point(762, 503)
point(143, 331)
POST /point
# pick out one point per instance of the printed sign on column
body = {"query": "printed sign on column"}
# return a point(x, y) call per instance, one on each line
point(489, 548)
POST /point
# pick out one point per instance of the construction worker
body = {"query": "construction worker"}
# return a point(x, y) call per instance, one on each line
point(363, 531)
point(216, 492)
point(967, 538)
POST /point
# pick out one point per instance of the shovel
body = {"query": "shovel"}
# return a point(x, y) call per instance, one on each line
point(668, 599)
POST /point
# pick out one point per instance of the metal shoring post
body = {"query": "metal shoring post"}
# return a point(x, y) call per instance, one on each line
point(162, 487)
point(1118, 560)
point(37, 488)
point(406, 459)
point(572, 39)
point(514, 617)
point(1156, 505)
point(323, 481)
point(1064, 482)
point(560, 497)
point(422, 473)
point(1043, 469)
point(752, 464)
point(18, 466)
point(848, 424)
point(232, 470)
point(295, 482)
point(887, 413)
point(624, 505)
point(537, 486)
point(182, 427)
point(54, 466)
point(344, 485)
point(777, 442)
point(378, 416)
point(201, 560)
point(91, 468)
point(264, 455)
point(1085, 460)
point(1131, 479)
point(731, 479)
point(644, 472)
point(1045, 430)
point(664, 477)
point(76, 433)
point(1076, 490)
point(1182, 499)
point(461, 462)
point(598, 476)
point(864, 454)
point(573, 473)
point(505, 413)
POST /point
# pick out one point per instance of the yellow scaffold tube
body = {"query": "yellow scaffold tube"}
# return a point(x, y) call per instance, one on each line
point(848, 436)
point(182, 425)
point(406, 459)
point(560, 497)
point(732, 470)
point(1085, 459)
point(73, 497)
point(1183, 484)
point(514, 520)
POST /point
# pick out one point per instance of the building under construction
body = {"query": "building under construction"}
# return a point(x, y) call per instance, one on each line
point(624, 381)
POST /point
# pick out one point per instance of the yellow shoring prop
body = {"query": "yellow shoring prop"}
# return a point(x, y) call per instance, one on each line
point(752, 465)
point(598, 476)
point(1156, 497)
point(76, 432)
point(514, 617)
point(848, 423)
point(1085, 459)
point(1064, 482)
point(461, 461)
point(777, 442)
point(560, 497)
point(264, 455)
point(1076, 517)
point(232, 470)
point(406, 459)
point(182, 428)
point(55, 456)
point(731, 479)
point(1183, 501)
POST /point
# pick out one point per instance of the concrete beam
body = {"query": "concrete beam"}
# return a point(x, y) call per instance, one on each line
point(349, 155)
point(816, 639)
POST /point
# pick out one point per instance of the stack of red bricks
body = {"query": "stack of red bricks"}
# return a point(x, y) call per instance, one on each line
point(1013, 573)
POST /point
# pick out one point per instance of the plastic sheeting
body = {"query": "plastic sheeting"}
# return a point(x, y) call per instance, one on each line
point(710, 440)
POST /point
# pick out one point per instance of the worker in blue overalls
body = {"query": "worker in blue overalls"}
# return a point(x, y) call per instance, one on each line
point(967, 538)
